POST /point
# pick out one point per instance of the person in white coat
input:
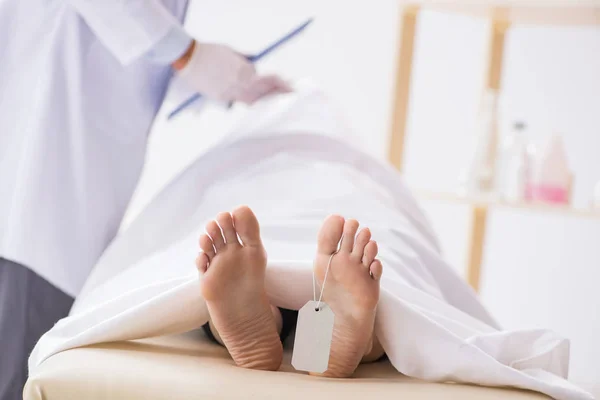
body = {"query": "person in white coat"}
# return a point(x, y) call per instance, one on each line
point(81, 82)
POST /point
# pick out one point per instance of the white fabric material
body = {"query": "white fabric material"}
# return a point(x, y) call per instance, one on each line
point(287, 164)
point(171, 47)
point(129, 28)
point(73, 125)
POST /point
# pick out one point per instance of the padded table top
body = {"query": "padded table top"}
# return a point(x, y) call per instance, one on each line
point(190, 367)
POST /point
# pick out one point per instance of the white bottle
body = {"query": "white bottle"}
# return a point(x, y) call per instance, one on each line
point(513, 165)
point(482, 170)
point(551, 179)
point(596, 197)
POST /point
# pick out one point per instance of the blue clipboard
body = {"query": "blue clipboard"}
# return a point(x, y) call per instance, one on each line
point(253, 58)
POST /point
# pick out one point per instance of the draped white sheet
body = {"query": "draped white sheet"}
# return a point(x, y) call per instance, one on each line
point(291, 160)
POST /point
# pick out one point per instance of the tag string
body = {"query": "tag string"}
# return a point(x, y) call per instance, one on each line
point(324, 279)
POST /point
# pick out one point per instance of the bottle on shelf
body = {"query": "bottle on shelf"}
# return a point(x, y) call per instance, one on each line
point(551, 179)
point(513, 165)
point(481, 175)
point(596, 197)
point(531, 152)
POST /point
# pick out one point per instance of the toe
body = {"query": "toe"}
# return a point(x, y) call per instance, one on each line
point(246, 225)
point(370, 253)
point(213, 230)
point(206, 245)
point(362, 239)
point(202, 262)
point(350, 228)
point(226, 224)
point(330, 234)
point(376, 269)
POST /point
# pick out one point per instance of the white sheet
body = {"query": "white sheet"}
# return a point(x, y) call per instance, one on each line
point(291, 162)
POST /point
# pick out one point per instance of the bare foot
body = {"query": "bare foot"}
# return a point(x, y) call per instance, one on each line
point(233, 286)
point(351, 290)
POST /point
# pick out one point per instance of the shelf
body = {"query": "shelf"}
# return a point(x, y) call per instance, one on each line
point(529, 12)
point(488, 201)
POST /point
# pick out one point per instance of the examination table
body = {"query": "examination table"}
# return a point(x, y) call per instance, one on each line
point(146, 285)
point(190, 367)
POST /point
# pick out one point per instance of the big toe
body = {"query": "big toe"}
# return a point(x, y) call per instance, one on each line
point(247, 226)
point(330, 234)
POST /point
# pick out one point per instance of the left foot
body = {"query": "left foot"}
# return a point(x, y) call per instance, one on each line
point(233, 285)
point(351, 291)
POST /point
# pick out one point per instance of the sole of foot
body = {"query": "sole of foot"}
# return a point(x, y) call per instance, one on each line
point(233, 264)
point(351, 290)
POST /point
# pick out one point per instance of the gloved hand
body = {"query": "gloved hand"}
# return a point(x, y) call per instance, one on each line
point(221, 74)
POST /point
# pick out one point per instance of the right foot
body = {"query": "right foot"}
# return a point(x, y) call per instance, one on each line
point(351, 291)
point(233, 285)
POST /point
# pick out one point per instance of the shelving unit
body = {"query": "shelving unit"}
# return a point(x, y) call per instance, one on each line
point(502, 15)
point(488, 201)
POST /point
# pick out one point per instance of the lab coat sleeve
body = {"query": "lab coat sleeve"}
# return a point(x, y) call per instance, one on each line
point(171, 47)
point(128, 28)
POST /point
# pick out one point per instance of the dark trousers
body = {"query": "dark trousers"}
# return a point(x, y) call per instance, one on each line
point(288, 318)
point(29, 307)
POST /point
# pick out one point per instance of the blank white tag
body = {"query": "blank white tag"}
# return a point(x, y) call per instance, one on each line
point(312, 344)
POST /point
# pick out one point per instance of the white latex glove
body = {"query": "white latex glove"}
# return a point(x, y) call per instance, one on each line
point(221, 74)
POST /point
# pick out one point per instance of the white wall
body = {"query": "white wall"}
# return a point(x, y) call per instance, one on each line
point(539, 270)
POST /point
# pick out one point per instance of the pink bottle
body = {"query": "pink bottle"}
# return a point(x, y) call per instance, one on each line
point(550, 179)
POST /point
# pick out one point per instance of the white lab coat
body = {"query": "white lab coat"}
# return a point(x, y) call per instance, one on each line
point(77, 100)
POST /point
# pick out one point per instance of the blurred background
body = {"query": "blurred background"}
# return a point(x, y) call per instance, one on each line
point(539, 269)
